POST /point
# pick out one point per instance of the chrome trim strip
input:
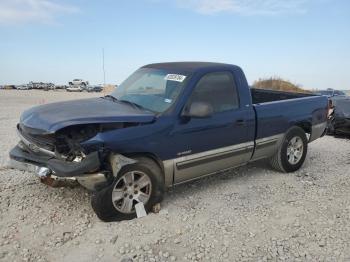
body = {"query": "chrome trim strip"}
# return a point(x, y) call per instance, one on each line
point(215, 152)
point(170, 164)
point(34, 147)
point(269, 139)
point(212, 157)
point(168, 172)
point(212, 173)
point(266, 144)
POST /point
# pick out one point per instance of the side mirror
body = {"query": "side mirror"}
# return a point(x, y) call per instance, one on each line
point(199, 110)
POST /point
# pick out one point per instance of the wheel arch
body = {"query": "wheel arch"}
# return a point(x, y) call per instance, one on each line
point(277, 160)
point(151, 156)
point(305, 125)
point(101, 200)
point(166, 167)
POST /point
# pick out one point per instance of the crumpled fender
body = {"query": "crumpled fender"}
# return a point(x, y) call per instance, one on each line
point(117, 161)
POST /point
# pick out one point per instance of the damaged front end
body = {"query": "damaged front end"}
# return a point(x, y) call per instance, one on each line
point(340, 122)
point(62, 141)
point(59, 158)
point(341, 126)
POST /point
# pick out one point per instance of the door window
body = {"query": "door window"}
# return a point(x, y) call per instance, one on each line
point(219, 90)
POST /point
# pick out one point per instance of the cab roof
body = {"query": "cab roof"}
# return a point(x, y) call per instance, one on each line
point(190, 66)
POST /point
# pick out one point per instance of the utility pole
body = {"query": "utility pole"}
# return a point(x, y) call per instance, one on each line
point(103, 67)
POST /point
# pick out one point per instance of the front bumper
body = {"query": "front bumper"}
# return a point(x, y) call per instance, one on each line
point(60, 167)
point(59, 172)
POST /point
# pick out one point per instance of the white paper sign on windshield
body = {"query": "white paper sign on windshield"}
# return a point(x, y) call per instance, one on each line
point(175, 77)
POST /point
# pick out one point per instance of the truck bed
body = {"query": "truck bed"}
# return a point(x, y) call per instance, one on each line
point(263, 95)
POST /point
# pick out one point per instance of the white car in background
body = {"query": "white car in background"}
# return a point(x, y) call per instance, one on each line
point(78, 82)
point(23, 87)
point(74, 88)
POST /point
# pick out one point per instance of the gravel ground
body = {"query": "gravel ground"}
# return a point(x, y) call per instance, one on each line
point(248, 214)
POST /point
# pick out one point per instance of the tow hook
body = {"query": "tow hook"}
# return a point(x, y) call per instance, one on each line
point(42, 171)
point(46, 177)
point(90, 181)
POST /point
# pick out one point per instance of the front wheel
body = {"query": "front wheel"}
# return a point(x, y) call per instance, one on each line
point(291, 154)
point(141, 182)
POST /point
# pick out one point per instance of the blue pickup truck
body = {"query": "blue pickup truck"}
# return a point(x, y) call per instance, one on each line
point(166, 124)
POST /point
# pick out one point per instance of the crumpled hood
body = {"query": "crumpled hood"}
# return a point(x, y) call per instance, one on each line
point(51, 117)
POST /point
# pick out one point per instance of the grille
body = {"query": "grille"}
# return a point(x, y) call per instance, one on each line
point(43, 141)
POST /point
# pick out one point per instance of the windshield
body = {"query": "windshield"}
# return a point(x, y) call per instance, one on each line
point(331, 93)
point(325, 93)
point(153, 89)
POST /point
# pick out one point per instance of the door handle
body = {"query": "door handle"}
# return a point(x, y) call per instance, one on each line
point(240, 122)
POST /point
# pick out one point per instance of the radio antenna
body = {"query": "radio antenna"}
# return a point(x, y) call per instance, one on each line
point(103, 67)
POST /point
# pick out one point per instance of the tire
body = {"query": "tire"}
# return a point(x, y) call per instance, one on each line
point(106, 209)
point(281, 160)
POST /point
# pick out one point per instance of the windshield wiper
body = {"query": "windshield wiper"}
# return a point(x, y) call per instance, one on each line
point(133, 104)
point(114, 99)
point(110, 97)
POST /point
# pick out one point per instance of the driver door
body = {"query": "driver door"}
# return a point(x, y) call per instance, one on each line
point(220, 141)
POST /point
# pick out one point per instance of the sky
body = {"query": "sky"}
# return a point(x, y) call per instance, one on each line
point(304, 41)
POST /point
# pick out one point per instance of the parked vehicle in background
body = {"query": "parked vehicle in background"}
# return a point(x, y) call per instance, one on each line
point(36, 85)
point(79, 82)
point(330, 92)
point(9, 87)
point(61, 86)
point(49, 86)
point(74, 89)
point(166, 124)
point(339, 124)
point(339, 121)
point(23, 87)
point(41, 85)
point(94, 88)
point(77, 85)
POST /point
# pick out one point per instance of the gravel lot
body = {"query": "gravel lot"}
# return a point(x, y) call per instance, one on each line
point(248, 214)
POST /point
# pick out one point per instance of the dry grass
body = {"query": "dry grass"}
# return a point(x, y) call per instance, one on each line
point(276, 83)
point(108, 89)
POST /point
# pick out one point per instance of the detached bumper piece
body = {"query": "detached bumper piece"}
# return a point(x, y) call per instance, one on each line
point(59, 167)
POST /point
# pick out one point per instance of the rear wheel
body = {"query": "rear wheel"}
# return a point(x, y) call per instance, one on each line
point(141, 182)
point(291, 154)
